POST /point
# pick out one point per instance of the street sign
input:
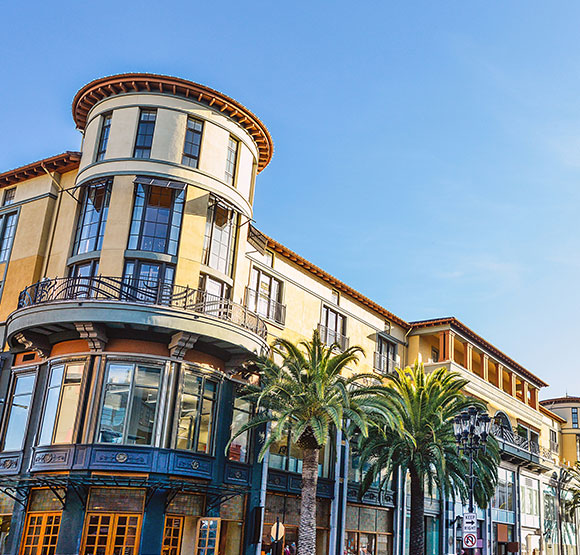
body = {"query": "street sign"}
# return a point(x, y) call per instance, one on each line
point(277, 532)
point(469, 540)
point(470, 523)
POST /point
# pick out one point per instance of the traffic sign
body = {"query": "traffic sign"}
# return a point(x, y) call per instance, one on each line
point(277, 532)
point(470, 523)
point(469, 540)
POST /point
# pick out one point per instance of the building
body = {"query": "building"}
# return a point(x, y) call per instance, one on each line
point(133, 290)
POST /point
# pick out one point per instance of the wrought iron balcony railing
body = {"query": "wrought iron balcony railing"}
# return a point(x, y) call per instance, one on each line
point(502, 433)
point(149, 292)
point(265, 306)
point(330, 337)
point(383, 364)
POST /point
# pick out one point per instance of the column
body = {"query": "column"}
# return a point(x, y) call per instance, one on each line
point(485, 366)
point(451, 346)
point(442, 345)
point(153, 525)
point(500, 376)
point(469, 357)
point(513, 384)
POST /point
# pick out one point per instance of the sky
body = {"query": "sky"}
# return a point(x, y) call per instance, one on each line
point(426, 153)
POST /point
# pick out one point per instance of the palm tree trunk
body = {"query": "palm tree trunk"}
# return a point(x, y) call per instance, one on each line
point(307, 530)
point(417, 528)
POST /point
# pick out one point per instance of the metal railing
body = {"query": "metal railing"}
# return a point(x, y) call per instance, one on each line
point(383, 364)
point(330, 337)
point(149, 292)
point(504, 434)
point(265, 306)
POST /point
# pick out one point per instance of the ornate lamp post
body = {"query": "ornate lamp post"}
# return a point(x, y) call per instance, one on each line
point(471, 429)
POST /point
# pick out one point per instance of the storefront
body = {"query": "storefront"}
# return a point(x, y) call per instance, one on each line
point(369, 530)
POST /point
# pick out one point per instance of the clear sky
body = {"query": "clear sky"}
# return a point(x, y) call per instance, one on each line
point(427, 153)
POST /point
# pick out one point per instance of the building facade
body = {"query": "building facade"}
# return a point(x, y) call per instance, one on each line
point(134, 290)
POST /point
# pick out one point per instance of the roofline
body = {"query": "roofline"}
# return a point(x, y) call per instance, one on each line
point(104, 87)
point(336, 283)
point(61, 163)
point(551, 414)
point(452, 321)
point(560, 400)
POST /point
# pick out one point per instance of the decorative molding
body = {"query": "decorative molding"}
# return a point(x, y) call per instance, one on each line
point(94, 334)
point(181, 342)
point(33, 341)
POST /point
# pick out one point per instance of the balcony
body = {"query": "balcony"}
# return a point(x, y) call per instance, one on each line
point(266, 307)
point(332, 337)
point(54, 307)
point(383, 364)
point(520, 450)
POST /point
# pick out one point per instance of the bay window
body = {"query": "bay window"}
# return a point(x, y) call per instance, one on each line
point(196, 410)
point(93, 217)
point(130, 401)
point(20, 401)
point(220, 237)
point(156, 221)
point(61, 403)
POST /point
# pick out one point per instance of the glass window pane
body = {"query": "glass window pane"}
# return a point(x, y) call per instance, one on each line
point(49, 416)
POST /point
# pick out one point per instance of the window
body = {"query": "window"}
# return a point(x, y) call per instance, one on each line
point(332, 328)
point(7, 231)
point(220, 237)
point(42, 523)
point(6, 511)
point(335, 297)
point(156, 221)
point(369, 530)
point(60, 407)
point(172, 532)
point(18, 412)
point(231, 160)
point(197, 402)
point(150, 282)
point(130, 404)
point(530, 496)
point(504, 492)
point(578, 448)
point(9, 195)
point(92, 218)
point(240, 447)
point(434, 354)
point(192, 142)
point(104, 137)
point(213, 297)
point(554, 441)
point(264, 296)
point(113, 522)
point(145, 130)
point(385, 356)
point(574, 418)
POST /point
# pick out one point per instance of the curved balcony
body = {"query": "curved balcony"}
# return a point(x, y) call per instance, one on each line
point(55, 307)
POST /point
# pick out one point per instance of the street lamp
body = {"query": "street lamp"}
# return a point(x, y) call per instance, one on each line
point(471, 429)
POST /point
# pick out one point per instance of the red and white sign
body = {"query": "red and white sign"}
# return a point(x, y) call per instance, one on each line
point(469, 540)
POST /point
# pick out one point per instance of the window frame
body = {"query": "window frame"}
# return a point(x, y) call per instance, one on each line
point(275, 305)
point(16, 374)
point(97, 240)
point(231, 170)
point(9, 196)
point(575, 417)
point(250, 413)
point(144, 149)
point(325, 310)
point(129, 406)
point(185, 155)
point(82, 385)
point(173, 214)
point(6, 242)
point(105, 131)
point(200, 398)
point(209, 234)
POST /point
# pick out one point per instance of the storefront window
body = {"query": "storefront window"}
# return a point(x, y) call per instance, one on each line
point(369, 531)
point(197, 402)
point(504, 493)
point(239, 449)
point(6, 509)
point(129, 404)
point(60, 407)
point(42, 523)
point(18, 413)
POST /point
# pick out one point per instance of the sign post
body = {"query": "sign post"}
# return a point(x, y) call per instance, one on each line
point(277, 534)
point(470, 530)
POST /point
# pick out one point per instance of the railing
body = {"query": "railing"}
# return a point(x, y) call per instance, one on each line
point(265, 306)
point(149, 292)
point(331, 337)
point(504, 434)
point(383, 364)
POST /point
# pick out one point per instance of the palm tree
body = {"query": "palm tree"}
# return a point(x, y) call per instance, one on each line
point(423, 444)
point(308, 396)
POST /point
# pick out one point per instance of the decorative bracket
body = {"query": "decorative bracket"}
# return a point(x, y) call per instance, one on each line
point(34, 342)
point(181, 342)
point(94, 334)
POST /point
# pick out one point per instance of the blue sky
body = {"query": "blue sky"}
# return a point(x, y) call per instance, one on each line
point(427, 153)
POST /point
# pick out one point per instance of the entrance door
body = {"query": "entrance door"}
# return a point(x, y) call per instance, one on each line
point(208, 533)
point(111, 534)
point(41, 534)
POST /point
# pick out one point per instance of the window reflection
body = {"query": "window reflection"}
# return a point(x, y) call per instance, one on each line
point(129, 404)
point(196, 412)
point(18, 413)
point(239, 449)
point(93, 217)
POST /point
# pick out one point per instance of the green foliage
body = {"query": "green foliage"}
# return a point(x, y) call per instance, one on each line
point(422, 441)
point(308, 393)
